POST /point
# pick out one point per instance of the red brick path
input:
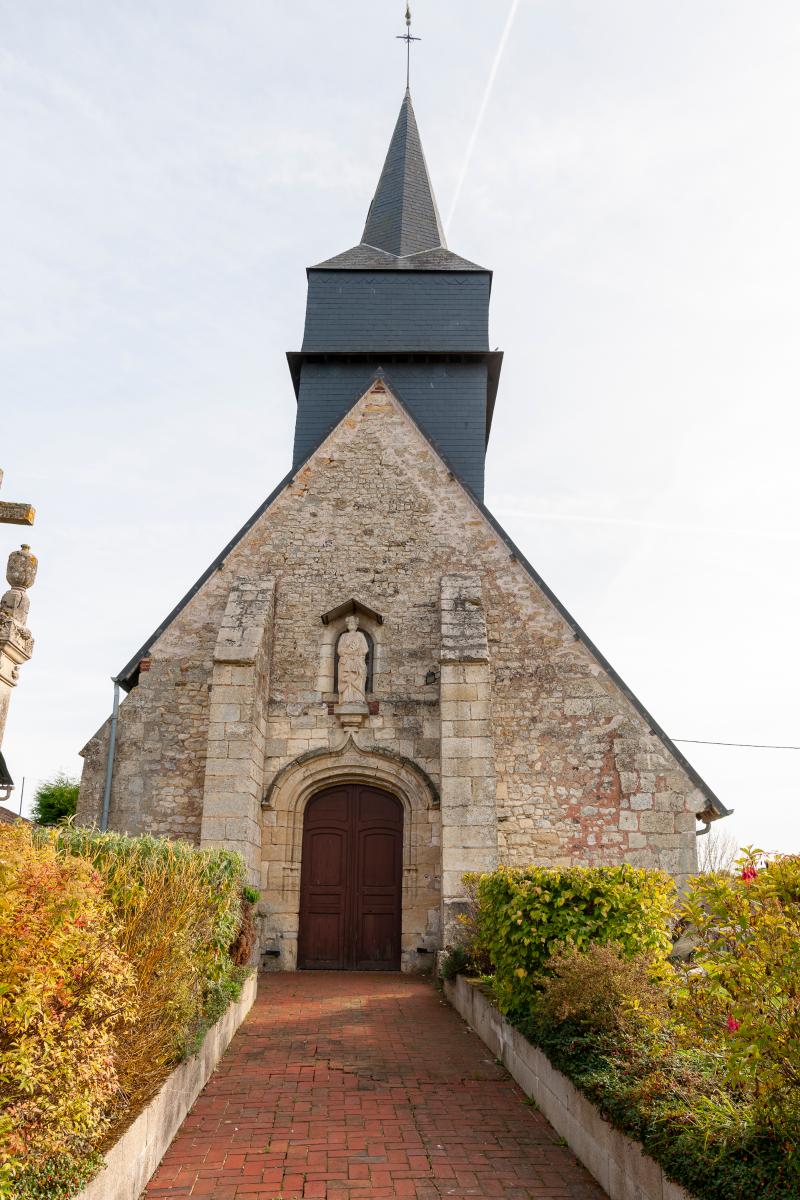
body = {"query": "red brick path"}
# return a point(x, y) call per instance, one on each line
point(358, 1086)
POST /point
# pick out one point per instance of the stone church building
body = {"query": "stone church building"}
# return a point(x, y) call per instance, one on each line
point(371, 691)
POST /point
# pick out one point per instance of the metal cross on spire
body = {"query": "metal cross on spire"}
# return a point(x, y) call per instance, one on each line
point(408, 39)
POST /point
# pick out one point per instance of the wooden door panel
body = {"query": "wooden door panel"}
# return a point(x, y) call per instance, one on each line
point(324, 950)
point(351, 881)
point(327, 858)
point(378, 881)
point(378, 853)
point(378, 948)
point(324, 889)
point(378, 808)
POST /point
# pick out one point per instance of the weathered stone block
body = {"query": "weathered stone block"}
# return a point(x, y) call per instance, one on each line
point(657, 822)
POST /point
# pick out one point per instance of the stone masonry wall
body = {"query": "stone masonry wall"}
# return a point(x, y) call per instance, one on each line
point(159, 763)
point(375, 515)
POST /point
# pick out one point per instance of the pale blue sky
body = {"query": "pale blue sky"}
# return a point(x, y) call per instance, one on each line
point(171, 169)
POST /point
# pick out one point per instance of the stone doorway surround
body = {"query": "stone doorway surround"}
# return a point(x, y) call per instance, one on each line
point(284, 808)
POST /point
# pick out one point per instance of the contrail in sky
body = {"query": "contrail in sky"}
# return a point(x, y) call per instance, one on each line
point(484, 105)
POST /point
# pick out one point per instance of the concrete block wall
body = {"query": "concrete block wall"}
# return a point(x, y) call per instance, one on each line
point(618, 1164)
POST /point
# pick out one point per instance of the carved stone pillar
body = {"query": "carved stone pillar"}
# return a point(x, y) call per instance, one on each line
point(469, 816)
point(16, 641)
point(238, 724)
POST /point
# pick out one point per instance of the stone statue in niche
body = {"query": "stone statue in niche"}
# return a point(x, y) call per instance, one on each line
point(352, 651)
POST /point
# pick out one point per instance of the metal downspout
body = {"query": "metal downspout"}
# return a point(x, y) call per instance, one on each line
point(112, 743)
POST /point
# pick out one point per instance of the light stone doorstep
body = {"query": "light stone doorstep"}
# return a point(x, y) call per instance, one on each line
point(618, 1163)
point(132, 1161)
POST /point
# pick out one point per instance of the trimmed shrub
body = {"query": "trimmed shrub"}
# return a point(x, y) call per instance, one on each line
point(526, 915)
point(599, 990)
point(745, 999)
point(699, 1062)
point(177, 910)
point(66, 994)
point(454, 963)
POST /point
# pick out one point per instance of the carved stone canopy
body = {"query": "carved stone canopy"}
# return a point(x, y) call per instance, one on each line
point(351, 608)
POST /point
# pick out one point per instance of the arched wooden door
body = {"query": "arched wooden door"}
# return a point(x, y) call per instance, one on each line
point(351, 881)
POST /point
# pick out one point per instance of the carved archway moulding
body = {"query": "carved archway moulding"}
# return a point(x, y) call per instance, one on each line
point(293, 787)
point(329, 766)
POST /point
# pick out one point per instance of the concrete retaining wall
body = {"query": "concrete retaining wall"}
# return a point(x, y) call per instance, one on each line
point(133, 1159)
point(618, 1164)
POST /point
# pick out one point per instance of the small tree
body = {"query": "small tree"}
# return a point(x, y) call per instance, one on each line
point(717, 851)
point(55, 800)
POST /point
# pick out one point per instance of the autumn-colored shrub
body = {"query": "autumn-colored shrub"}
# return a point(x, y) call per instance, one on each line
point(177, 910)
point(743, 995)
point(242, 946)
point(599, 990)
point(526, 915)
point(67, 992)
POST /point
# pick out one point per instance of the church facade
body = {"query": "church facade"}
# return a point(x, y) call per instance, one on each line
point(370, 691)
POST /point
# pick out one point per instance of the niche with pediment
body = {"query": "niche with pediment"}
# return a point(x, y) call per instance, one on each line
point(335, 626)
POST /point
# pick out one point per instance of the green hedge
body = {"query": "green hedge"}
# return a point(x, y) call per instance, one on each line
point(698, 1061)
point(523, 916)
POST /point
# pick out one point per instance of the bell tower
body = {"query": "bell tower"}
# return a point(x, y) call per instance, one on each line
point(401, 302)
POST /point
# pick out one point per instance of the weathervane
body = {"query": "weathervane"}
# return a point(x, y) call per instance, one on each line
point(408, 39)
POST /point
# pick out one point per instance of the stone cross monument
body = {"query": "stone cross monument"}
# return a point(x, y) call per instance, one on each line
point(16, 642)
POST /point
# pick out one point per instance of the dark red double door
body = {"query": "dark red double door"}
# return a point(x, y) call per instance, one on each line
point(351, 881)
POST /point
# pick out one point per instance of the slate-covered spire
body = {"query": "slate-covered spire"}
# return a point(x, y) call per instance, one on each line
point(403, 218)
point(402, 303)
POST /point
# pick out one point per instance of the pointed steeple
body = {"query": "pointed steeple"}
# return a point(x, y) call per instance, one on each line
point(403, 218)
point(401, 302)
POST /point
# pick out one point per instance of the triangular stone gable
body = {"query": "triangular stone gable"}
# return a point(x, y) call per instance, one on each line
point(379, 496)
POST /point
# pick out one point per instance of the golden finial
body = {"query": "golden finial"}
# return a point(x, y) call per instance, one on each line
point(408, 39)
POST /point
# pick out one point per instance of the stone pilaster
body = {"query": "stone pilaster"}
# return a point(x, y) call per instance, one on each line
point(469, 817)
point(237, 731)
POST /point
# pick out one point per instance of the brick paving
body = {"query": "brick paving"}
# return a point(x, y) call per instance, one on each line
point(360, 1087)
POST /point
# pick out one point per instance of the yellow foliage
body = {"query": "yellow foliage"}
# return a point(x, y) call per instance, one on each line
point(66, 992)
point(177, 910)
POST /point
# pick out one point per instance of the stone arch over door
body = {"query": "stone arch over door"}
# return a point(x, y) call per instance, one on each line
point(284, 810)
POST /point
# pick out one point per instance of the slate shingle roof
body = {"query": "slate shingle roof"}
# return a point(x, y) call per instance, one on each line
point(370, 258)
point(403, 217)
